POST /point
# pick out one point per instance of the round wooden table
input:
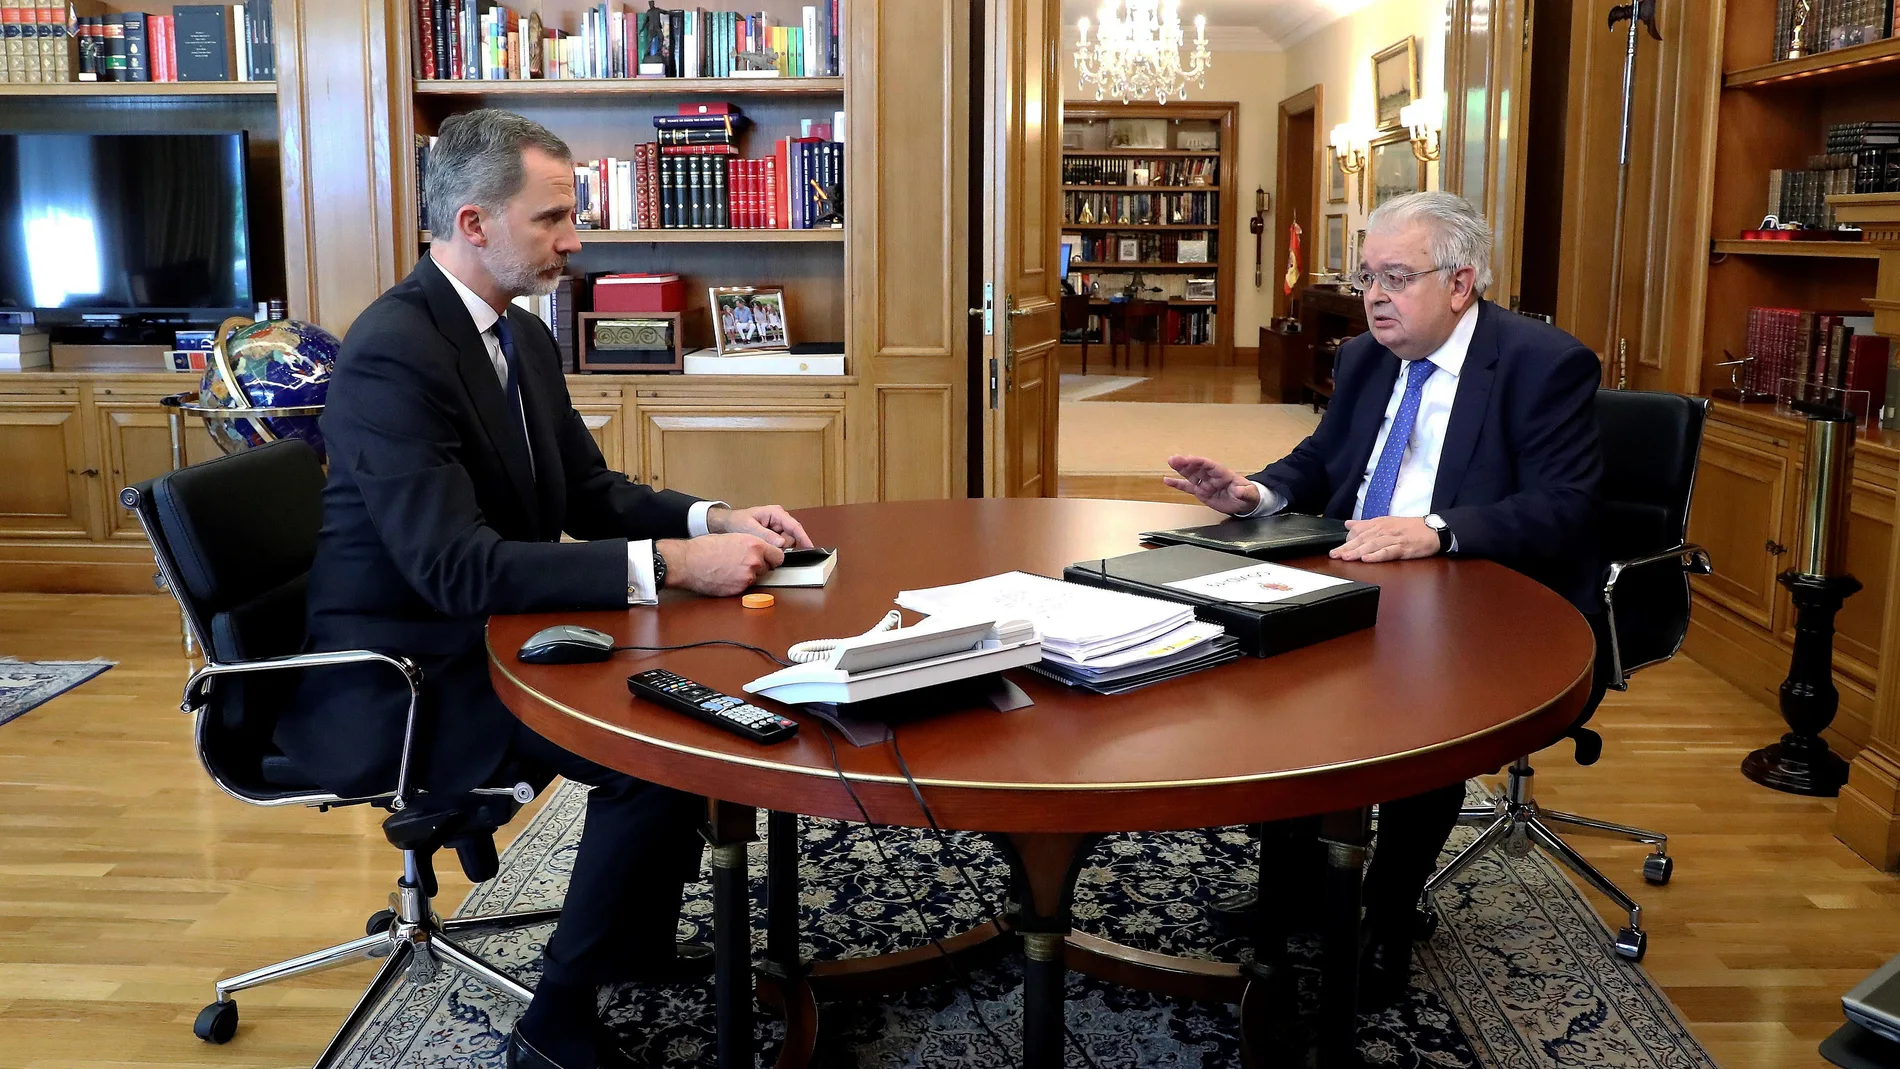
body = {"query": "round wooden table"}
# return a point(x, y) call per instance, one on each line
point(1469, 666)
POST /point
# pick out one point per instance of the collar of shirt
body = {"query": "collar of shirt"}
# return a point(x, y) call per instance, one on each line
point(1450, 356)
point(479, 310)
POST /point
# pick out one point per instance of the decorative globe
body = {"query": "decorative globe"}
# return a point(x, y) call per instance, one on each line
point(279, 364)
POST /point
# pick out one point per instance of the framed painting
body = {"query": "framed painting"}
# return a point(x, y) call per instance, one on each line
point(1336, 244)
point(1335, 180)
point(1395, 170)
point(1394, 80)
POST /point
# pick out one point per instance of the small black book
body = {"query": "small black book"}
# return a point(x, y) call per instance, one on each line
point(1262, 628)
point(1287, 534)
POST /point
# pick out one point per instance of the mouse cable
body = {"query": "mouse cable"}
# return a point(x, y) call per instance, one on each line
point(760, 650)
point(957, 860)
point(916, 904)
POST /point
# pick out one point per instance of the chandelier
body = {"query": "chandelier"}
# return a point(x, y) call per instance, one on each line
point(1137, 53)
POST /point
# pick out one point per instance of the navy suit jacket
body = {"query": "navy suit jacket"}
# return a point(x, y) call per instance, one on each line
point(434, 517)
point(1518, 474)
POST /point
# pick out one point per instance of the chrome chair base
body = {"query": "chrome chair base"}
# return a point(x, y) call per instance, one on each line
point(1514, 823)
point(412, 943)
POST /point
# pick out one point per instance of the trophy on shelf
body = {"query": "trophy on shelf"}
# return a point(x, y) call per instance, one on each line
point(1798, 44)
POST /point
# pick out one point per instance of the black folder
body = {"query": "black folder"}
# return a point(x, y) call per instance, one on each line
point(1286, 534)
point(1262, 629)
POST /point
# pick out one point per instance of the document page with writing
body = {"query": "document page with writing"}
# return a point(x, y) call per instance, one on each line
point(1261, 584)
point(1076, 621)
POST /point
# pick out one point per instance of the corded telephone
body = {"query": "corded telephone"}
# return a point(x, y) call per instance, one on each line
point(890, 659)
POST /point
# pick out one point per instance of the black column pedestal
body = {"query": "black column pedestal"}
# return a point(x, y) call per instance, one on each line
point(1801, 762)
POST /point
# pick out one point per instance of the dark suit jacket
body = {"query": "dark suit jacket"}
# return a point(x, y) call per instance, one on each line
point(1517, 478)
point(432, 520)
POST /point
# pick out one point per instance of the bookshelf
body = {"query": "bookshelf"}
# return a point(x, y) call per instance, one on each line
point(138, 89)
point(607, 117)
point(1114, 194)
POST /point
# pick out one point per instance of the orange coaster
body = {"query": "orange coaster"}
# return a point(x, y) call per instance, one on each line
point(758, 601)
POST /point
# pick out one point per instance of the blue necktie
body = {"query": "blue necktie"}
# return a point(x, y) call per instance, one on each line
point(512, 388)
point(1385, 477)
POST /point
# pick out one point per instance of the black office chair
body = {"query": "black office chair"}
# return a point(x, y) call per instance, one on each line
point(1650, 446)
point(234, 538)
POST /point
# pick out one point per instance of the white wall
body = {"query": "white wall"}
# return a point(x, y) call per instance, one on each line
point(1339, 57)
point(1253, 79)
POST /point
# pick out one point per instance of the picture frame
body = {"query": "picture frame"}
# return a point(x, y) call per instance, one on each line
point(1394, 81)
point(1336, 243)
point(1393, 169)
point(1197, 140)
point(628, 342)
point(1128, 250)
point(749, 319)
point(1200, 288)
point(1138, 133)
point(1191, 251)
point(1336, 180)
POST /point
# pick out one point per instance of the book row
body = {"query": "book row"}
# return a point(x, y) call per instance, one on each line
point(1179, 326)
point(1825, 25)
point(1797, 353)
point(76, 40)
point(478, 39)
point(1138, 209)
point(1143, 248)
point(1134, 171)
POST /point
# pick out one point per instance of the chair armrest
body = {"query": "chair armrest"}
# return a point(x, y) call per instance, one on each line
point(1691, 557)
point(412, 677)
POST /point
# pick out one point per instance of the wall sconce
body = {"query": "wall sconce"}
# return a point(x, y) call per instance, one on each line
point(1424, 118)
point(1349, 148)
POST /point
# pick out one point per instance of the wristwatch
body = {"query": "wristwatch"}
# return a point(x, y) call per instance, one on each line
point(1437, 523)
point(659, 571)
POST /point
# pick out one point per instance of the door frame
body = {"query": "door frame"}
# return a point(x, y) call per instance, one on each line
point(1312, 100)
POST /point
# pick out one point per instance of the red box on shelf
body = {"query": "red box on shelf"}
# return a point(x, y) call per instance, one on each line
point(639, 293)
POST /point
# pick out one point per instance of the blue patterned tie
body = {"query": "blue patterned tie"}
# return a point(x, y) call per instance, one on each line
point(512, 388)
point(1385, 477)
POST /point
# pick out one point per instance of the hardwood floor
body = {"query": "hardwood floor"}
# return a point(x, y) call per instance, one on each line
point(1211, 385)
point(128, 883)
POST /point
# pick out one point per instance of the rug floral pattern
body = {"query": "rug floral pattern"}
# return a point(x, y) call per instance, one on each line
point(1519, 975)
point(26, 685)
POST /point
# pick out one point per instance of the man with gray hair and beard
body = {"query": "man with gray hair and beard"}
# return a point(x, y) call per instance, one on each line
point(1455, 427)
point(457, 462)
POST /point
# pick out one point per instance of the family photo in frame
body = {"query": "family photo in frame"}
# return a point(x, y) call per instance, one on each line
point(749, 319)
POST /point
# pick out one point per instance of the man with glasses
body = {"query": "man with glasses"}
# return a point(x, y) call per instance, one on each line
point(1455, 427)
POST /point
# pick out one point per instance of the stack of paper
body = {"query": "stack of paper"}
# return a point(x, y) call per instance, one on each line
point(1100, 640)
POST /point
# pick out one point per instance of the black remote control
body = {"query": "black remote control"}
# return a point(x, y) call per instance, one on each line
point(682, 695)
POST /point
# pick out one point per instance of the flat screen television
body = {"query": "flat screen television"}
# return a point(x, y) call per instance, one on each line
point(124, 225)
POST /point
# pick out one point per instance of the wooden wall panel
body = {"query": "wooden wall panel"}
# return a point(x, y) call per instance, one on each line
point(916, 433)
point(907, 83)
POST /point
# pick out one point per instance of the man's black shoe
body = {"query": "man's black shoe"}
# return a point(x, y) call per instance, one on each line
point(688, 963)
point(519, 1053)
point(1385, 974)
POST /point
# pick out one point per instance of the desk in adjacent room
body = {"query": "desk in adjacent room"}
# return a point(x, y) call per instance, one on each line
point(1470, 666)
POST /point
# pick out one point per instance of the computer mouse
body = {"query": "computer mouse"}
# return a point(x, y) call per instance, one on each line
point(566, 644)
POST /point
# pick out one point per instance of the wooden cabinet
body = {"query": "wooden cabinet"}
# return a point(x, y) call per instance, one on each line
point(135, 444)
point(1748, 515)
point(49, 488)
point(746, 454)
point(1740, 515)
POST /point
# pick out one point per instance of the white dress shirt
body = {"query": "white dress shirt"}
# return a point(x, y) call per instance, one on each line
point(639, 552)
point(1418, 469)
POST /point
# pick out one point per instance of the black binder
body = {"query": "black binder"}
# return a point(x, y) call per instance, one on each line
point(1286, 534)
point(1261, 629)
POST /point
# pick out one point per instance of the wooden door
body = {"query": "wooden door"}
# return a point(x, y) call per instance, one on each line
point(1302, 175)
point(1740, 516)
point(50, 486)
point(135, 441)
point(1021, 311)
point(746, 455)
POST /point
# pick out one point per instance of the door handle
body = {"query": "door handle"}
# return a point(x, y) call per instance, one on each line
point(1014, 311)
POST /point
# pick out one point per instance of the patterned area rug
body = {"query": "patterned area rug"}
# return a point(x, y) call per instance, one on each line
point(1519, 975)
point(1084, 387)
point(26, 685)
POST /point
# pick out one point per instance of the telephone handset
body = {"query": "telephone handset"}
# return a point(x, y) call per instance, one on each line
point(819, 649)
point(890, 659)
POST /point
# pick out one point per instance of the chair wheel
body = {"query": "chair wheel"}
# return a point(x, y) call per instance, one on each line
point(216, 1023)
point(379, 922)
point(1657, 868)
point(1632, 944)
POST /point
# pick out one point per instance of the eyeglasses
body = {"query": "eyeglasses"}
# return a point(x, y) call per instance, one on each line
point(1391, 280)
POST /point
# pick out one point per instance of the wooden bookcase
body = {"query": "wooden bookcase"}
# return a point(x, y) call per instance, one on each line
point(606, 117)
point(1774, 114)
point(1087, 136)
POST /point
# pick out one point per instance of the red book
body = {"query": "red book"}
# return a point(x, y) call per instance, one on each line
point(699, 150)
point(158, 44)
point(454, 34)
point(1867, 357)
point(754, 218)
point(772, 168)
point(717, 108)
point(426, 20)
point(732, 194)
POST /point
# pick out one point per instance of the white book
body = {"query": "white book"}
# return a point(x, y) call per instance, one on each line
point(709, 362)
point(623, 194)
point(809, 37)
point(26, 342)
point(241, 27)
point(802, 567)
point(32, 358)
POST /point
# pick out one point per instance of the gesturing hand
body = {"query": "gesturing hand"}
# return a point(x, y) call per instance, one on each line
point(769, 523)
point(1213, 485)
point(1387, 538)
point(719, 565)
